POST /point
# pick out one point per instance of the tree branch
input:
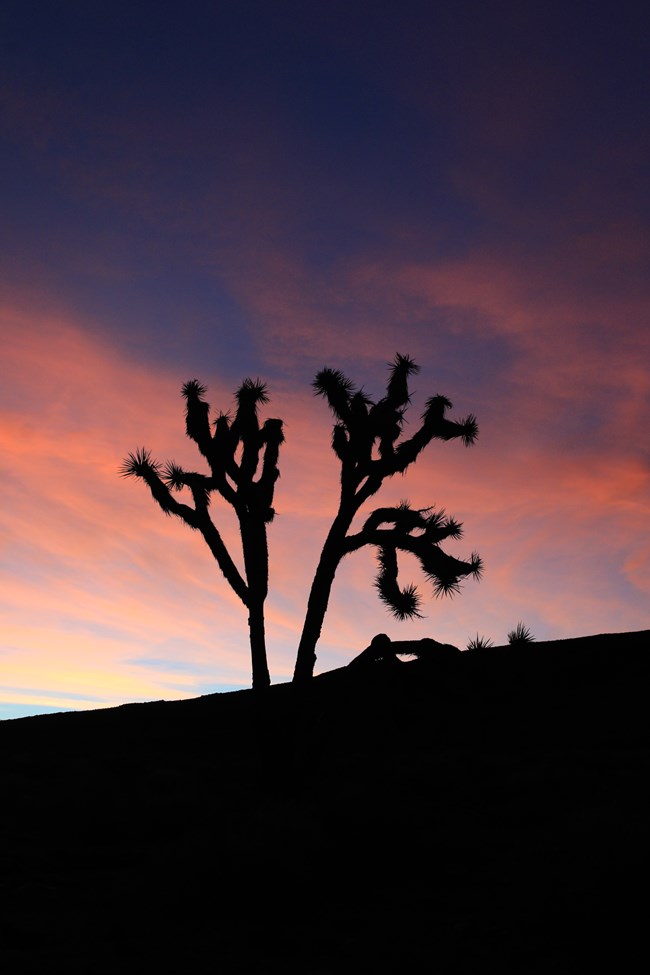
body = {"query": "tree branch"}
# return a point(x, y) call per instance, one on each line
point(437, 565)
point(223, 558)
point(197, 422)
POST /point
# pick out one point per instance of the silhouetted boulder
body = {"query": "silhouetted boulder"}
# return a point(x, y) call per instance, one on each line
point(386, 652)
point(379, 651)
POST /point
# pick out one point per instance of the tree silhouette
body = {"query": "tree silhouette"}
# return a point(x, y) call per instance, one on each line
point(233, 455)
point(366, 440)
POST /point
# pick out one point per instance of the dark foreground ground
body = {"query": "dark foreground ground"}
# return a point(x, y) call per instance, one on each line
point(494, 816)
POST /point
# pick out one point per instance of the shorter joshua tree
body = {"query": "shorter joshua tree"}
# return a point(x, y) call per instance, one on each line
point(233, 454)
point(366, 440)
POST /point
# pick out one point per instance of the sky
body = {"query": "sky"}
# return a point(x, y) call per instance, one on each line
point(231, 189)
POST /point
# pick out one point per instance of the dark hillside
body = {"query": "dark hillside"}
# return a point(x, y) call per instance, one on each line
point(404, 819)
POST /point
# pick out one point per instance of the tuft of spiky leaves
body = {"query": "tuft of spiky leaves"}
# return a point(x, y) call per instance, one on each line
point(193, 388)
point(139, 463)
point(477, 564)
point(332, 380)
point(405, 364)
point(444, 571)
point(253, 392)
point(435, 408)
point(479, 643)
point(470, 429)
point(446, 586)
point(435, 420)
point(197, 415)
point(337, 390)
point(521, 634)
point(439, 526)
point(403, 603)
point(397, 391)
point(173, 475)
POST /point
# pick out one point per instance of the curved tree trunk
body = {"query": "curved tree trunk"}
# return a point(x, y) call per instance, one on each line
point(319, 596)
point(316, 609)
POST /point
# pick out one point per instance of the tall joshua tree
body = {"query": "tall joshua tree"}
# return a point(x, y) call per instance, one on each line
point(366, 440)
point(233, 454)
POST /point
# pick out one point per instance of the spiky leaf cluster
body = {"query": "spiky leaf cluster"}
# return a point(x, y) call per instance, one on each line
point(235, 449)
point(139, 463)
point(366, 434)
point(402, 603)
point(418, 532)
point(242, 457)
point(367, 438)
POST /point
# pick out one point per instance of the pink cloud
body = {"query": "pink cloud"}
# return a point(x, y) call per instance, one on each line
point(96, 581)
point(554, 426)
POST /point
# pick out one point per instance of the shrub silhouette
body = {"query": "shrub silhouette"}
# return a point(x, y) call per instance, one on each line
point(233, 455)
point(480, 643)
point(366, 440)
point(520, 635)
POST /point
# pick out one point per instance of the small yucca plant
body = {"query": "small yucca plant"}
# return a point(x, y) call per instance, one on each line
point(520, 634)
point(479, 643)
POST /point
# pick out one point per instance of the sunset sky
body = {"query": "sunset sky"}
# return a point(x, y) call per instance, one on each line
point(240, 188)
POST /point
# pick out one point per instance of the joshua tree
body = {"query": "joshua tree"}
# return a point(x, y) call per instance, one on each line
point(366, 441)
point(233, 455)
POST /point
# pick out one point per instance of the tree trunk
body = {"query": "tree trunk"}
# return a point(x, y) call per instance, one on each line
point(261, 676)
point(256, 566)
point(319, 596)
